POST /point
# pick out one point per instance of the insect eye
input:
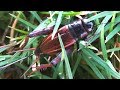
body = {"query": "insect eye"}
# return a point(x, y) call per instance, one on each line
point(89, 25)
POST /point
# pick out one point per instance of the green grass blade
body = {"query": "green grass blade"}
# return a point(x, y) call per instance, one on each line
point(103, 47)
point(71, 13)
point(3, 49)
point(18, 30)
point(110, 65)
point(105, 20)
point(24, 22)
point(109, 50)
point(8, 62)
point(93, 67)
point(58, 22)
point(100, 15)
point(61, 70)
point(43, 24)
point(76, 64)
point(112, 21)
point(15, 58)
point(3, 57)
point(58, 71)
point(89, 70)
point(101, 62)
point(112, 33)
point(69, 72)
point(34, 13)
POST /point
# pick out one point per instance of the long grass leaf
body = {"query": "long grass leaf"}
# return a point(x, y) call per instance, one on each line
point(112, 21)
point(34, 13)
point(104, 22)
point(93, 67)
point(112, 33)
point(103, 47)
point(58, 22)
point(101, 62)
point(100, 15)
point(69, 72)
point(24, 22)
point(109, 50)
point(76, 64)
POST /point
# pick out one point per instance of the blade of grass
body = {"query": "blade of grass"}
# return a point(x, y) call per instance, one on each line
point(112, 21)
point(60, 70)
point(71, 13)
point(103, 47)
point(69, 72)
point(56, 70)
point(101, 62)
point(42, 25)
point(112, 33)
point(21, 31)
point(3, 57)
point(34, 13)
point(59, 19)
point(105, 20)
point(117, 20)
point(89, 70)
point(15, 58)
point(24, 22)
point(8, 62)
point(110, 65)
point(76, 64)
point(93, 67)
point(109, 50)
point(3, 49)
point(100, 15)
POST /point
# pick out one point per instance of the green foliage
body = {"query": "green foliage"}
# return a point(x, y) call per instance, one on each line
point(98, 59)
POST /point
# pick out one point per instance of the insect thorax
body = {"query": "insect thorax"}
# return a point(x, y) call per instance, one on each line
point(79, 29)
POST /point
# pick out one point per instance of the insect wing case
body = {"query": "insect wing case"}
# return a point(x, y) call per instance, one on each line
point(51, 47)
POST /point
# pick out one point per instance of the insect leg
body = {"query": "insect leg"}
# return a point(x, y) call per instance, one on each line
point(36, 33)
point(52, 63)
point(44, 31)
point(55, 60)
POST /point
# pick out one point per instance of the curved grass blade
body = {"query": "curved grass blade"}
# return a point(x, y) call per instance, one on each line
point(100, 15)
point(110, 65)
point(105, 20)
point(112, 33)
point(101, 62)
point(93, 67)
